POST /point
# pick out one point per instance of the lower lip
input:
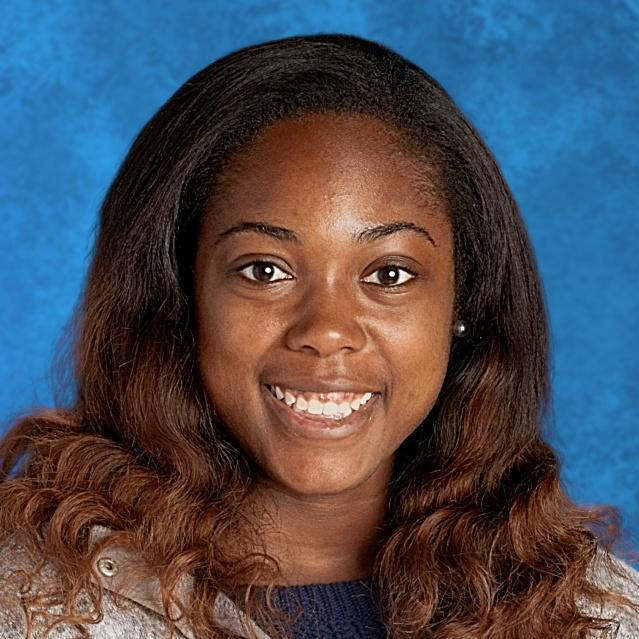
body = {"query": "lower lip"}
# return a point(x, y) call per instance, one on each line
point(314, 427)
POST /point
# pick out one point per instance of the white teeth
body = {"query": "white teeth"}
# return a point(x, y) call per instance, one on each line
point(344, 409)
point(316, 407)
point(330, 409)
point(356, 404)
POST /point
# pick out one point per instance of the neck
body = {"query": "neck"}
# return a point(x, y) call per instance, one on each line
point(324, 538)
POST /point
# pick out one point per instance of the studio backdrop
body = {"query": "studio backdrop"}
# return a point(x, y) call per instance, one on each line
point(553, 87)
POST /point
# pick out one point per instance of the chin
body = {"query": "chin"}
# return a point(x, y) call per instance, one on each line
point(318, 483)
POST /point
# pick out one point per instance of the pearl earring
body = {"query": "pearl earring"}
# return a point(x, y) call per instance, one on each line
point(460, 328)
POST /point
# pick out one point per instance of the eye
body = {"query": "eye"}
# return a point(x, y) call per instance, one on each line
point(393, 275)
point(262, 272)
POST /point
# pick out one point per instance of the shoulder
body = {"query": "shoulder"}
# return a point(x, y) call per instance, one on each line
point(614, 574)
point(18, 612)
point(139, 611)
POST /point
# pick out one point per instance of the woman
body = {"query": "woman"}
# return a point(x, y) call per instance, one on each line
point(311, 380)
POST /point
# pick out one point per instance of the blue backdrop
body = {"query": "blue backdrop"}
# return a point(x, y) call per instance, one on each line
point(552, 86)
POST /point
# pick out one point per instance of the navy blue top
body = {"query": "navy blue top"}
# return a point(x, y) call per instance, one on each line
point(343, 609)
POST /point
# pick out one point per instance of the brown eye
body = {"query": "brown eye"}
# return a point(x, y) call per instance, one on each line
point(262, 272)
point(392, 275)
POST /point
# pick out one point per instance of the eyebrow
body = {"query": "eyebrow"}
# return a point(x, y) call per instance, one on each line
point(367, 234)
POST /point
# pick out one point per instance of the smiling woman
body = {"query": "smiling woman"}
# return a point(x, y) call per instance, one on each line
point(312, 377)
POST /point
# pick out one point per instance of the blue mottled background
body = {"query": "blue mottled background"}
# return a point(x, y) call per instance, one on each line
point(552, 86)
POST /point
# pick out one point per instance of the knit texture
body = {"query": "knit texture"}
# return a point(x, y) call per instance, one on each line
point(331, 610)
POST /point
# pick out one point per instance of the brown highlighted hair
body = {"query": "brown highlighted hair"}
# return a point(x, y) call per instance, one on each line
point(481, 539)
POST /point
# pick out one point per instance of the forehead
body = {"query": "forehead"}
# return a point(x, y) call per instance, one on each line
point(328, 146)
point(327, 171)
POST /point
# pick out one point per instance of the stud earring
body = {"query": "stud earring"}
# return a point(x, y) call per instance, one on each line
point(460, 328)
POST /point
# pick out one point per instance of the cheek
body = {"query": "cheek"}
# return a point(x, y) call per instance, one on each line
point(231, 340)
point(419, 348)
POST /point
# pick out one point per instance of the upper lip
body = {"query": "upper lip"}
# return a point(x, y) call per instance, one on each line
point(309, 385)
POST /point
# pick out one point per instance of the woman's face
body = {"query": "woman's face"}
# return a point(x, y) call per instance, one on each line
point(325, 274)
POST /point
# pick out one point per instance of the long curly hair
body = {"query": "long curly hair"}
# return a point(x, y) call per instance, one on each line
point(480, 541)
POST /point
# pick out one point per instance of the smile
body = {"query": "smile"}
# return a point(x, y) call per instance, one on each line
point(336, 404)
point(300, 422)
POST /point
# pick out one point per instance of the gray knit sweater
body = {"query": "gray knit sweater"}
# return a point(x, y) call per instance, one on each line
point(140, 612)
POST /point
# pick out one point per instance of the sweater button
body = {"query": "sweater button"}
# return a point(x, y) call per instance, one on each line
point(107, 566)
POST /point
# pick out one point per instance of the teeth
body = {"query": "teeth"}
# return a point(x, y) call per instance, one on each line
point(330, 409)
point(344, 409)
point(316, 407)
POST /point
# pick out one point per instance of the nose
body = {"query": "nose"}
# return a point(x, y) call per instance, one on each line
point(326, 322)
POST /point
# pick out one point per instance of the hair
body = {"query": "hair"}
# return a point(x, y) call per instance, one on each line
point(480, 538)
